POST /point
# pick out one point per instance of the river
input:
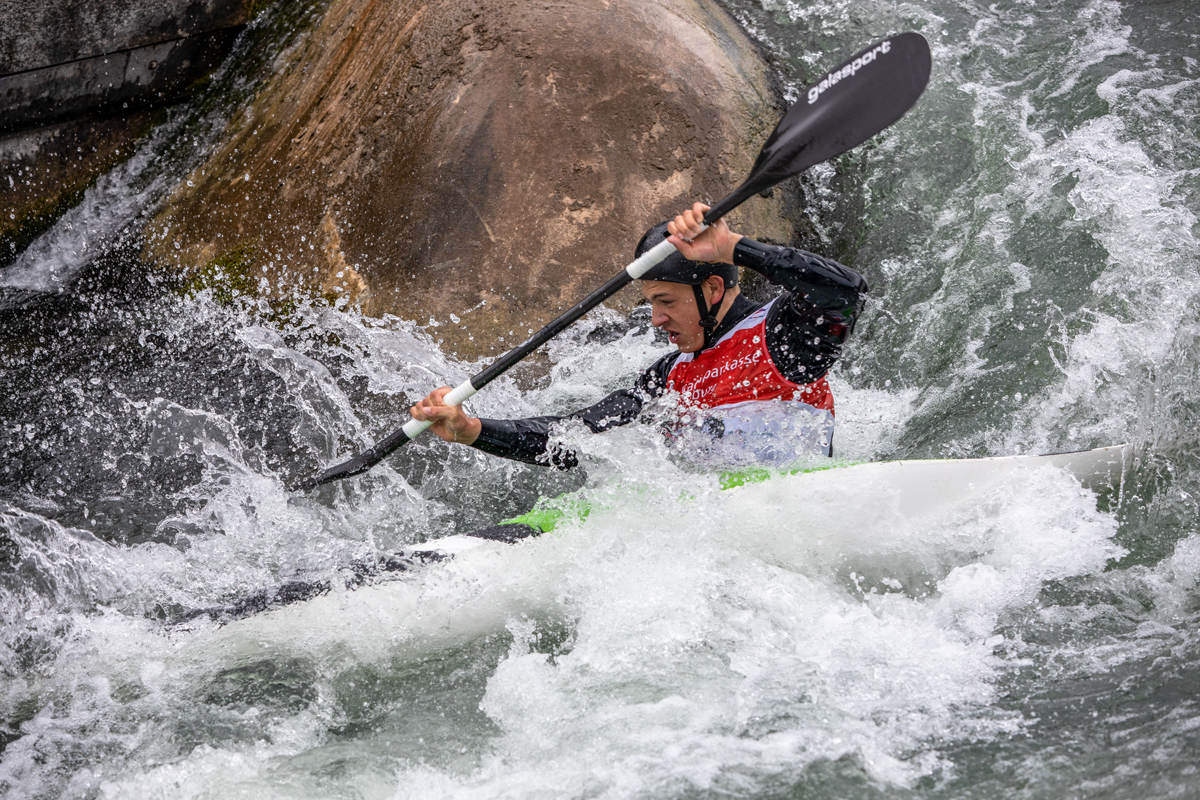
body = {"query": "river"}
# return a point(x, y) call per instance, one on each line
point(1030, 234)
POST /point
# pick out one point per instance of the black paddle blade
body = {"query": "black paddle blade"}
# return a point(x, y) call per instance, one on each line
point(845, 108)
point(357, 465)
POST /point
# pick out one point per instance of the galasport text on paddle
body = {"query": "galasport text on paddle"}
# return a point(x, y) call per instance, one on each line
point(849, 105)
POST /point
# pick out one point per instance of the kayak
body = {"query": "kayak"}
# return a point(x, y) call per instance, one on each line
point(849, 518)
point(905, 491)
point(925, 485)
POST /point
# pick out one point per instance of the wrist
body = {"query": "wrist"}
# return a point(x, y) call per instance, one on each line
point(727, 251)
point(469, 432)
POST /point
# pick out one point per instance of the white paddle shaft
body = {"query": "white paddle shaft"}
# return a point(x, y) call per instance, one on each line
point(647, 260)
point(455, 397)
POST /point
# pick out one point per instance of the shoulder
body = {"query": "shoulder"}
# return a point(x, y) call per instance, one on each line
point(653, 381)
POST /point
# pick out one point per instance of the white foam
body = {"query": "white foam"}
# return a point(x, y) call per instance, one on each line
point(713, 634)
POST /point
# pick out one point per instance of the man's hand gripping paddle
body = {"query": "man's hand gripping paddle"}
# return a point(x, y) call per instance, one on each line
point(848, 106)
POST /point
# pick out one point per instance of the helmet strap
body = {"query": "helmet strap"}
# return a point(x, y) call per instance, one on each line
point(708, 315)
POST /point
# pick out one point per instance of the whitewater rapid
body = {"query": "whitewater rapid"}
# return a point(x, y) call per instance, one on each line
point(1029, 232)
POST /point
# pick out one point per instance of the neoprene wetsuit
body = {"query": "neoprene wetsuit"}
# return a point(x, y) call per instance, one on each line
point(801, 332)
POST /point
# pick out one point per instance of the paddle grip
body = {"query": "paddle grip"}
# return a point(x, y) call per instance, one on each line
point(649, 259)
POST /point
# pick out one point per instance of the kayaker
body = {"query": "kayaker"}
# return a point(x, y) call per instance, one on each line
point(748, 381)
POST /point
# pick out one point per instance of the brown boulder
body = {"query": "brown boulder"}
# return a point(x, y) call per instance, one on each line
point(482, 158)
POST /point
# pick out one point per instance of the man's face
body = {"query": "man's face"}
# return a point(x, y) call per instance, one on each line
point(673, 307)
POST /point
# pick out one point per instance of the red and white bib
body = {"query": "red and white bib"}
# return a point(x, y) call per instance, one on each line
point(738, 369)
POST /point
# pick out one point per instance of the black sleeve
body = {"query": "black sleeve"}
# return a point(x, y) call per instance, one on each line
point(528, 440)
point(812, 319)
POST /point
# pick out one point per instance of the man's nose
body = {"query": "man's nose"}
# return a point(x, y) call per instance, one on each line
point(658, 318)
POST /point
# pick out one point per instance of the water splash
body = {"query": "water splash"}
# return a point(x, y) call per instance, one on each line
point(1029, 232)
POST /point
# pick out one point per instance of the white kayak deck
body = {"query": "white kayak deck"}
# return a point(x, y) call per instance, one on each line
point(921, 486)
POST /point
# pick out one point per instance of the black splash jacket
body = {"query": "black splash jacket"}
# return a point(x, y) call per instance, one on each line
point(806, 329)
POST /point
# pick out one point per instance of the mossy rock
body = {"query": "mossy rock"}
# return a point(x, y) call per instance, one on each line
point(231, 278)
point(228, 276)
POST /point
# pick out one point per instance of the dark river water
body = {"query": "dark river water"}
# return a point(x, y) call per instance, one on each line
point(1030, 234)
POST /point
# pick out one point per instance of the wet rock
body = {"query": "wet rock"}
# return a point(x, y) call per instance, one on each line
point(45, 171)
point(477, 165)
point(66, 59)
point(77, 78)
point(148, 76)
point(63, 59)
point(50, 32)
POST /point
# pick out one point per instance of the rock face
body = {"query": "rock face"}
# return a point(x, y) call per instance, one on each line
point(45, 171)
point(482, 158)
point(53, 32)
point(64, 59)
point(76, 80)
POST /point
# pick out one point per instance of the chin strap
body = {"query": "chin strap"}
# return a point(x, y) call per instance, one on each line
point(708, 316)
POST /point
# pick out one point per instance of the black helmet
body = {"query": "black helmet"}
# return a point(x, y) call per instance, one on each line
point(677, 269)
